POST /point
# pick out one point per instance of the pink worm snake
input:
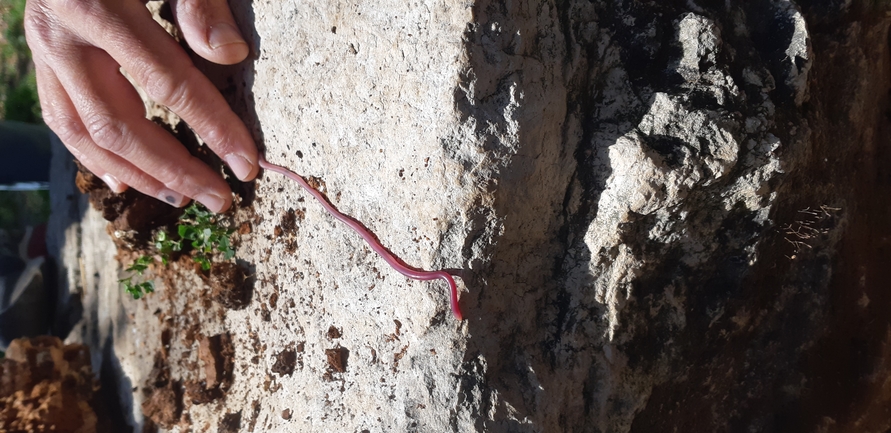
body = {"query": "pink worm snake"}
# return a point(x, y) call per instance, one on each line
point(372, 241)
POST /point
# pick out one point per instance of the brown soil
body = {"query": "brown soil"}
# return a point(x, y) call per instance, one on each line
point(285, 361)
point(288, 227)
point(199, 393)
point(164, 397)
point(134, 216)
point(230, 423)
point(228, 286)
point(216, 353)
point(45, 386)
point(165, 405)
point(133, 220)
point(337, 359)
point(333, 332)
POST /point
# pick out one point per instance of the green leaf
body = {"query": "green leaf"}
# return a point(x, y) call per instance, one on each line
point(138, 290)
point(131, 289)
point(203, 261)
point(140, 265)
point(200, 229)
point(197, 211)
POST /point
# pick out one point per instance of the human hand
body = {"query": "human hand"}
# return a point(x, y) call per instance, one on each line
point(79, 47)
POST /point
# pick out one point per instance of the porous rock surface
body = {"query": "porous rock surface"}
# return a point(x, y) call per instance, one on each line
point(665, 216)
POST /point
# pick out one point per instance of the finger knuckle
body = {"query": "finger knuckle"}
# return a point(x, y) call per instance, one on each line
point(72, 8)
point(39, 31)
point(68, 128)
point(47, 25)
point(165, 87)
point(190, 8)
point(35, 22)
point(108, 133)
point(174, 178)
point(218, 138)
point(222, 131)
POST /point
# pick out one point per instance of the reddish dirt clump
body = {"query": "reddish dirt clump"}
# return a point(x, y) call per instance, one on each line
point(216, 355)
point(337, 359)
point(228, 286)
point(231, 423)
point(288, 228)
point(165, 405)
point(199, 393)
point(333, 332)
point(285, 362)
point(164, 397)
point(133, 215)
point(45, 386)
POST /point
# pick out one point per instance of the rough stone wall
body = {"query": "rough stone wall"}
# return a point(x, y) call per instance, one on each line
point(671, 260)
point(665, 216)
point(662, 210)
point(650, 222)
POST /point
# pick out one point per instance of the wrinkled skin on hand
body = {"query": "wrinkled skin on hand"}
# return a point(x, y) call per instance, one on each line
point(79, 47)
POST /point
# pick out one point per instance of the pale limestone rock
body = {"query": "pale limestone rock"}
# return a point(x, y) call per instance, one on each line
point(616, 182)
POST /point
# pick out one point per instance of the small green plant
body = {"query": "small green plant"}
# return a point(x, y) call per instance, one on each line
point(198, 229)
point(138, 290)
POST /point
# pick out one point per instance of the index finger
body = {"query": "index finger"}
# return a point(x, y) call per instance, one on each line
point(126, 30)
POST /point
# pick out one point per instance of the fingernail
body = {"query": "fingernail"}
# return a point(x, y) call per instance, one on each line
point(172, 197)
point(211, 202)
point(114, 184)
point(223, 34)
point(240, 166)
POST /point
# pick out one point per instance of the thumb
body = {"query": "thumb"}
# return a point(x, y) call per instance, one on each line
point(210, 30)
